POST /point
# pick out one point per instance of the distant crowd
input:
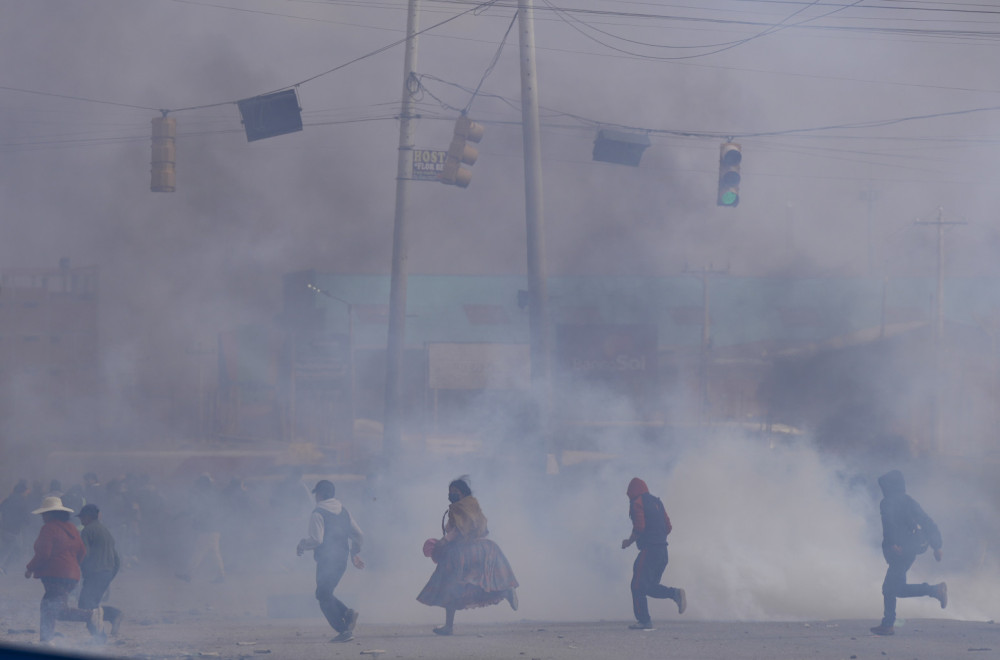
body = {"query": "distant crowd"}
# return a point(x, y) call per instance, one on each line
point(193, 527)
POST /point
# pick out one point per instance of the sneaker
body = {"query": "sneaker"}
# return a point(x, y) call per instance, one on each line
point(512, 598)
point(641, 625)
point(351, 619)
point(443, 630)
point(96, 623)
point(682, 601)
point(941, 593)
point(883, 630)
point(345, 636)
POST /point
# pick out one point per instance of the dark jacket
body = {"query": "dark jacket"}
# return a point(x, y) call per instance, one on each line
point(101, 553)
point(650, 523)
point(904, 523)
point(15, 513)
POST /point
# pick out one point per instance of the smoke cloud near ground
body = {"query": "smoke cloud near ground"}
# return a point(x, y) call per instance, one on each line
point(760, 533)
point(762, 530)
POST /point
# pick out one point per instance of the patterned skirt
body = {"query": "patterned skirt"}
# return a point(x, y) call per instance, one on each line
point(468, 574)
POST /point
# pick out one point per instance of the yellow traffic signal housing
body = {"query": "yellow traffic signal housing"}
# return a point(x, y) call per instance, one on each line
point(162, 162)
point(730, 157)
point(461, 153)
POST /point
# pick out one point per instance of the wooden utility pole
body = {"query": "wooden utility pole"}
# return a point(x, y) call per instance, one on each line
point(937, 425)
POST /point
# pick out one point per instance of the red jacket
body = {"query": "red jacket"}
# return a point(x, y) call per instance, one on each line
point(58, 551)
point(650, 522)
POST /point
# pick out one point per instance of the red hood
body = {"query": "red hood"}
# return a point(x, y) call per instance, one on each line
point(636, 487)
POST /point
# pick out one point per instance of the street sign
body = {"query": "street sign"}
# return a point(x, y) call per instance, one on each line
point(427, 164)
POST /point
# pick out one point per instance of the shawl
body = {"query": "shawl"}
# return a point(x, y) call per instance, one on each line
point(467, 518)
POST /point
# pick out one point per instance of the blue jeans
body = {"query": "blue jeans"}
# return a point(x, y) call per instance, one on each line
point(646, 573)
point(55, 607)
point(894, 586)
point(328, 574)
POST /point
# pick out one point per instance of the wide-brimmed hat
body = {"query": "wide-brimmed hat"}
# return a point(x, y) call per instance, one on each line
point(52, 503)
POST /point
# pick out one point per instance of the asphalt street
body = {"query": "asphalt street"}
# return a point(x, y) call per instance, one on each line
point(168, 619)
point(919, 640)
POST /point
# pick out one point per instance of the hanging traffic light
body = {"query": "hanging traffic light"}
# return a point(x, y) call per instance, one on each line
point(460, 153)
point(730, 157)
point(162, 162)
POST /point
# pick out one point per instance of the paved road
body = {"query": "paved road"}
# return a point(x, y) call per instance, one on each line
point(168, 619)
point(207, 637)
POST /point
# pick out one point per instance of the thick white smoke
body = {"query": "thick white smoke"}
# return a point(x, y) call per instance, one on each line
point(760, 533)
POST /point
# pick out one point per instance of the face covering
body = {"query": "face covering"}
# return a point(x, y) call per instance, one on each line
point(454, 497)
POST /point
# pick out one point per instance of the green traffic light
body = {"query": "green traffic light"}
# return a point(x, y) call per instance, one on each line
point(729, 198)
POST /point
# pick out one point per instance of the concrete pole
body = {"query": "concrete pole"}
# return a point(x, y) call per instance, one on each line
point(538, 315)
point(395, 346)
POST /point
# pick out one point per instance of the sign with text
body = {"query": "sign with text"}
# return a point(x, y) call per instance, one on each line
point(427, 164)
point(453, 366)
point(615, 354)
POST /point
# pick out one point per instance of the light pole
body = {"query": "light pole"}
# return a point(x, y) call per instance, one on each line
point(350, 354)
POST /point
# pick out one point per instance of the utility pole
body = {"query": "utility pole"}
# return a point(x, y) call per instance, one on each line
point(869, 195)
point(538, 320)
point(937, 425)
point(706, 336)
point(396, 344)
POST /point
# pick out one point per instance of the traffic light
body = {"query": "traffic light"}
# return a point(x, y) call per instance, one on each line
point(459, 152)
point(730, 157)
point(162, 163)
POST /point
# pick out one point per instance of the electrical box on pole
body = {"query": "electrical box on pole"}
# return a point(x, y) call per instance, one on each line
point(162, 162)
point(461, 153)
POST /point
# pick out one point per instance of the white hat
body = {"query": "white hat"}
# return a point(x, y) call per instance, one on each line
point(52, 503)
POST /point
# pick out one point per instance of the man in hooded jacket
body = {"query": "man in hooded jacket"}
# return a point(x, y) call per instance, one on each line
point(906, 533)
point(650, 526)
point(333, 537)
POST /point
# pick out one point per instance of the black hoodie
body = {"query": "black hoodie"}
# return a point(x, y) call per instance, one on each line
point(904, 523)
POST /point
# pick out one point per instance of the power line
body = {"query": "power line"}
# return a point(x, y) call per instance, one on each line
point(377, 51)
point(75, 98)
point(718, 47)
point(493, 63)
point(723, 134)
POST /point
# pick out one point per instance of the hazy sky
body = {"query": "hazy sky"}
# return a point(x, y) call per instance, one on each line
point(83, 79)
